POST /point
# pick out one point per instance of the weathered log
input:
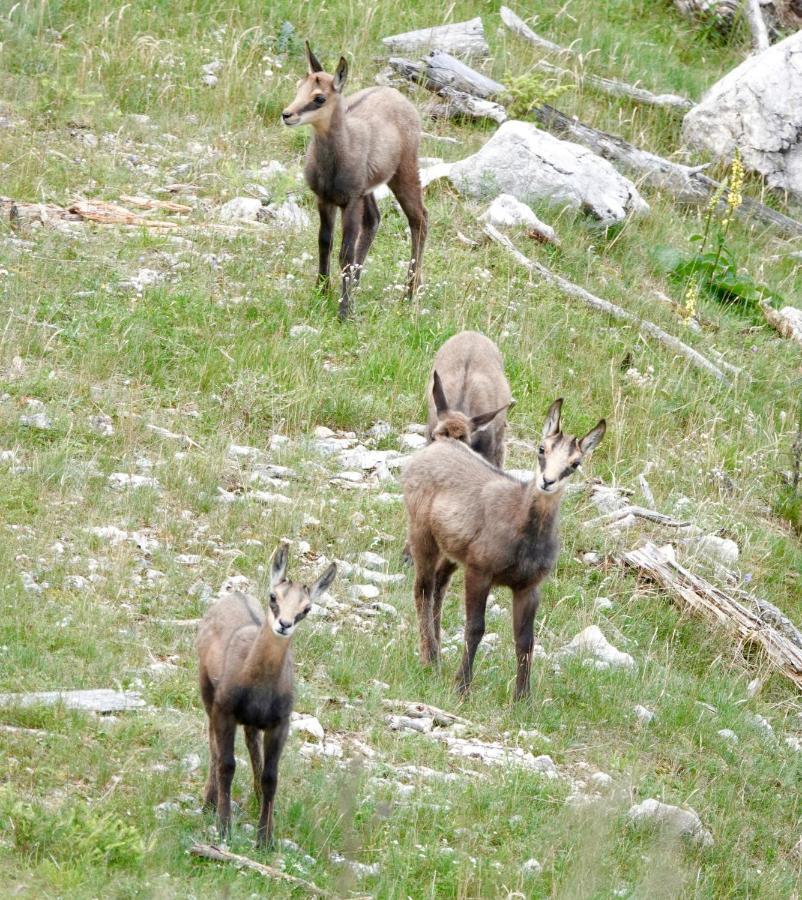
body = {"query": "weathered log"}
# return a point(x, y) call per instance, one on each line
point(760, 34)
point(150, 203)
point(458, 103)
point(605, 85)
point(220, 854)
point(462, 38)
point(702, 597)
point(445, 70)
point(787, 321)
point(687, 183)
point(616, 88)
point(641, 512)
point(600, 305)
point(519, 27)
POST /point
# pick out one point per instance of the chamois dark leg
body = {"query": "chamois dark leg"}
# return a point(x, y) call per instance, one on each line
point(254, 746)
point(352, 224)
point(325, 240)
point(425, 555)
point(442, 577)
point(210, 794)
point(274, 744)
point(224, 731)
point(370, 225)
point(406, 186)
point(524, 607)
point(477, 587)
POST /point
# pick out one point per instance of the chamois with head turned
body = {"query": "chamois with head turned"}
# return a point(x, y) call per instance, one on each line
point(469, 395)
point(359, 143)
point(246, 679)
point(462, 509)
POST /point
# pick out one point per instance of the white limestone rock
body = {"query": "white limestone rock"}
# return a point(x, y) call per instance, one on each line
point(757, 109)
point(240, 208)
point(530, 164)
point(592, 644)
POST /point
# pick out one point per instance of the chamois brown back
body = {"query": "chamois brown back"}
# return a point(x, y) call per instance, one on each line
point(360, 142)
point(462, 509)
point(471, 401)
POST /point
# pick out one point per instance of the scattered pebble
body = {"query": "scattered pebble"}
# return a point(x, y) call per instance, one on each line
point(41, 421)
point(531, 867)
point(672, 819)
point(643, 715)
point(592, 644)
point(727, 734)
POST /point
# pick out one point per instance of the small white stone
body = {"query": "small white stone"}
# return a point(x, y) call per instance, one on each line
point(301, 330)
point(307, 725)
point(246, 208)
point(120, 480)
point(761, 723)
point(602, 603)
point(412, 441)
point(602, 780)
point(191, 762)
point(101, 424)
point(593, 644)
point(372, 560)
point(590, 558)
point(673, 819)
point(41, 421)
point(532, 867)
point(364, 591)
point(643, 715)
point(727, 734)
point(321, 432)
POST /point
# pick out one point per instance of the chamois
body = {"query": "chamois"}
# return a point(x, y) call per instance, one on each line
point(462, 509)
point(469, 395)
point(359, 143)
point(246, 679)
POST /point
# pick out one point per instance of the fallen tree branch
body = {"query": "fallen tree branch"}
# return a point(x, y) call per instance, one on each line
point(218, 854)
point(642, 513)
point(609, 86)
point(150, 203)
point(111, 214)
point(687, 183)
point(760, 34)
point(461, 101)
point(519, 27)
point(702, 597)
point(466, 38)
point(597, 303)
point(779, 323)
point(615, 88)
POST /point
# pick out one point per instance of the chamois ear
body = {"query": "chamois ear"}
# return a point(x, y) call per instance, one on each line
point(483, 420)
point(323, 583)
point(439, 395)
point(593, 438)
point(312, 61)
point(552, 425)
point(278, 568)
point(340, 75)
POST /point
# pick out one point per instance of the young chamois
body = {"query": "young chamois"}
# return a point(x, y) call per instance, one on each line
point(359, 143)
point(463, 510)
point(469, 395)
point(246, 679)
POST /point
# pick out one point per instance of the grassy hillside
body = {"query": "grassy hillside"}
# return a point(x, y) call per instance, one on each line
point(99, 100)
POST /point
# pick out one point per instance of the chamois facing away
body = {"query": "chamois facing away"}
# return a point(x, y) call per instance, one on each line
point(463, 510)
point(359, 143)
point(469, 396)
point(246, 679)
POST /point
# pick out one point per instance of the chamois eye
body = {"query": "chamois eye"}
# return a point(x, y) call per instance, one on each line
point(541, 449)
point(320, 99)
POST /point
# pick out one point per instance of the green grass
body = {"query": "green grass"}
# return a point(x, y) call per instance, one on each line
point(108, 806)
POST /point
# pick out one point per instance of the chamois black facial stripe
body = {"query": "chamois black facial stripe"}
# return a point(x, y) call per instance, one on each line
point(310, 107)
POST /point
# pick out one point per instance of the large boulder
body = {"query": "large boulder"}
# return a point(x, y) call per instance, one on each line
point(533, 165)
point(756, 108)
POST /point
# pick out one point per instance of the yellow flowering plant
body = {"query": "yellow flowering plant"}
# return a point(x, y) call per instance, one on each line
point(713, 269)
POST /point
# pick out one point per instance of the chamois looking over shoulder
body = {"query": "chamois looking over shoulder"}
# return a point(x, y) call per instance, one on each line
point(469, 396)
point(463, 510)
point(359, 143)
point(246, 679)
